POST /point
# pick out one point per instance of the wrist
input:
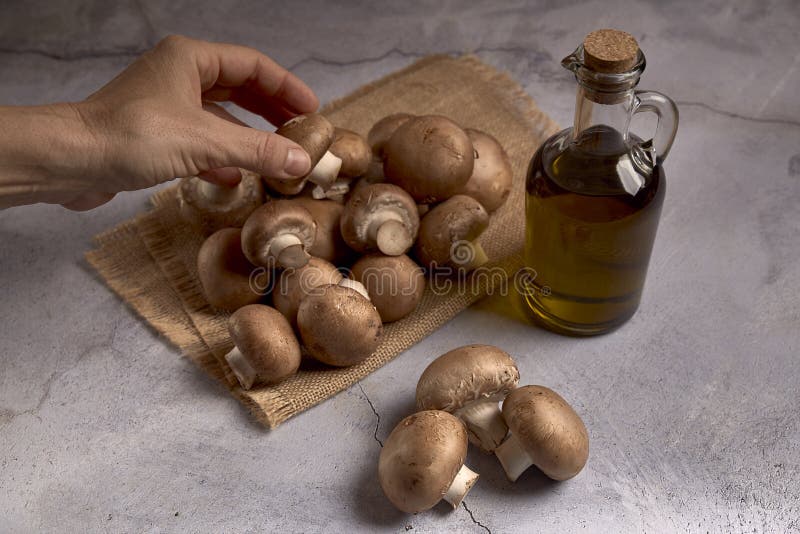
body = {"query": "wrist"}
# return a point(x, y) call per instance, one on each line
point(47, 154)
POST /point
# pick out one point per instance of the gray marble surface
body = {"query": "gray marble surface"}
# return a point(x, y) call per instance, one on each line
point(693, 407)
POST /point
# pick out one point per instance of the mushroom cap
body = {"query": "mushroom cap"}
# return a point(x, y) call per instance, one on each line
point(382, 130)
point(549, 430)
point(354, 152)
point(466, 374)
point(366, 204)
point(431, 157)
point(328, 242)
point(271, 220)
point(420, 459)
point(338, 325)
point(224, 272)
point(311, 131)
point(458, 219)
point(490, 182)
point(295, 284)
point(230, 208)
point(395, 284)
point(266, 339)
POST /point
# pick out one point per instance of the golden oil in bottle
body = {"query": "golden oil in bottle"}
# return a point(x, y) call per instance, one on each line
point(593, 200)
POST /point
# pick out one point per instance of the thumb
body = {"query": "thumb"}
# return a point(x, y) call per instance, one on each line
point(262, 152)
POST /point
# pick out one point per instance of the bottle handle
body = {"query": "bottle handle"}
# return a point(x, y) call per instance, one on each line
point(667, 113)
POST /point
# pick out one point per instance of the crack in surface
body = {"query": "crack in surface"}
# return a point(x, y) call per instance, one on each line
point(406, 54)
point(127, 52)
point(6, 416)
point(377, 415)
point(487, 529)
point(731, 114)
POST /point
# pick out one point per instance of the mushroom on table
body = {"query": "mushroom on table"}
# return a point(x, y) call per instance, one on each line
point(266, 349)
point(338, 324)
point(212, 207)
point(545, 432)
point(328, 243)
point(448, 235)
point(224, 272)
point(395, 284)
point(470, 382)
point(382, 130)
point(430, 156)
point(279, 233)
point(422, 462)
point(295, 284)
point(490, 182)
point(380, 217)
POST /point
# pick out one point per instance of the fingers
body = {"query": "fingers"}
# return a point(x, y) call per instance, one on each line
point(227, 176)
point(88, 201)
point(268, 107)
point(262, 152)
point(226, 65)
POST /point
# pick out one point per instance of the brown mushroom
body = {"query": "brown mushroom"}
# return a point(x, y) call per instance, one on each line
point(422, 462)
point(490, 183)
point(470, 382)
point(339, 325)
point(545, 432)
point(212, 207)
point(315, 134)
point(380, 217)
point(382, 130)
point(224, 272)
point(431, 157)
point(448, 235)
point(354, 152)
point(279, 233)
point(294, 284)
point(266, 349)
point(328, 242)
point(395, 284)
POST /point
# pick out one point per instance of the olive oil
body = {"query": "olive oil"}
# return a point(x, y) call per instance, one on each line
point(592, 215)
point(594, 194)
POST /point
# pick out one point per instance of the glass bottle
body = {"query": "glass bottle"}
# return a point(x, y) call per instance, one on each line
point(594, 194)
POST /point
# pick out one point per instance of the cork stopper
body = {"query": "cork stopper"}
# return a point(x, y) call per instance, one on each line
point(610, 51)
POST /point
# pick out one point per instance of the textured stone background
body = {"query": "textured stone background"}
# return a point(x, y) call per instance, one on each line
point(693, 407)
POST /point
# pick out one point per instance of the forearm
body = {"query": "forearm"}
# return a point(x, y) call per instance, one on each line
point(45, 154)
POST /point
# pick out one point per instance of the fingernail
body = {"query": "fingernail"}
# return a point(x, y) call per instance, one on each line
point(297, 162)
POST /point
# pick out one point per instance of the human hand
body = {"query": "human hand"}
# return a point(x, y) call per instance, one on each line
point(157, 120)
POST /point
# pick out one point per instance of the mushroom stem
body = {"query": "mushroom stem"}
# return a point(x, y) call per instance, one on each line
point(336, 191)
point(513, 457)
point(244, 372)
point(469, 255)
point(288, 251)
point(387, 230)
point(485, 424)
point(326, 171)
point(465, 479)
point(220, 194)
point(355, 285)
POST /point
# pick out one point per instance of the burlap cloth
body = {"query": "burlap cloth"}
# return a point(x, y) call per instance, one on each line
point(150, 260)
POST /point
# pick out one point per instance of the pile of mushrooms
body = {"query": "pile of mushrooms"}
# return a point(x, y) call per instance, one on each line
point(341, 251)
point(459, 397)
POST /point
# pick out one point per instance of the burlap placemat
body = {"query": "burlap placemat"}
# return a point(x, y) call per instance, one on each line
point(150, 260)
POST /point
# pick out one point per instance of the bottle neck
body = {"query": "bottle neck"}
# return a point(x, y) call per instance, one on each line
point(597, 112)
